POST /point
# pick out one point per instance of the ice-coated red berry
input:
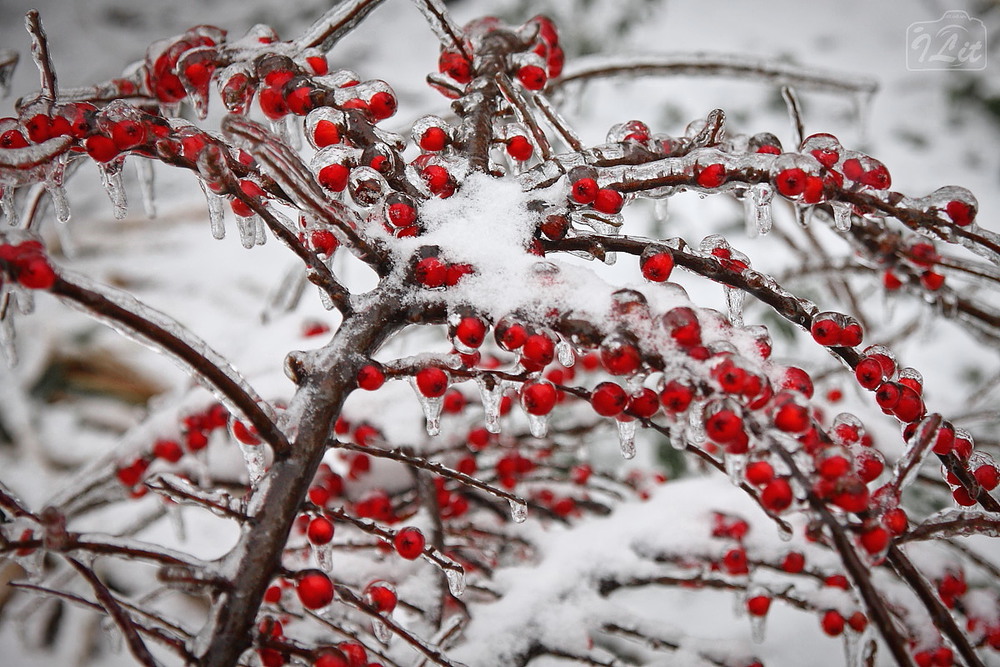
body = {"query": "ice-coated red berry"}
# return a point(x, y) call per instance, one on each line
point(431, 272)
point(314, 588)
point(409, 543)
point(381, 596)
point(608, 399)
point(793, 562)
point(961, 214)
point(532, 77)
point(791, 182)
point(432, 382)
point(777, 495)
point(538, 398)
point(711, 176)
point(657, 267)
point(382, 105)
point(434, 139)
point(608, 201)
point(168, 450)
point(326, 133)
point(331, 657)
point(759, 472)
point(334, 177)
point(832, 623)
point(519, 148)
point(538, 349)
point(471, 331)
point(320, 530)
point(584, 190)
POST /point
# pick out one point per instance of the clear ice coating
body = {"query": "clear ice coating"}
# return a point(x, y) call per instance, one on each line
point(111, 178)
point(626, 437)
point(456, 581)
point(518, 510)
point(247, 227)
point(491, 399)
point(253, 456)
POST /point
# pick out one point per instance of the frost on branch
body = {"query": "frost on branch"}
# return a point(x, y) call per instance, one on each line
point(466, 467)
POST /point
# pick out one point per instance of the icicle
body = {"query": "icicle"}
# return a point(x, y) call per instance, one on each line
point(757, 209)
point(853, 648)
point(144, 174)
point(432, 409)
point(282, 130)
point(491, 402)
point(456, 581)
point(735, 464)
point(381, 631)
point(324, 299)
point(248, 230)
point(253, 455)
point(661, 210)
point(735, 298)
point(324, 556)
point(565, 354)
point(518, 510)
point(59, 201)
point(260, 236)
point(539, 425)
point(111, 178)
point(842, 216)
point(7, 347)
point(216, 211)
point(758, 628)
point(626, 437)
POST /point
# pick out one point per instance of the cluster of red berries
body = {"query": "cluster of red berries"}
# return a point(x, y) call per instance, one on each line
point(196, 427)
point(26, 264)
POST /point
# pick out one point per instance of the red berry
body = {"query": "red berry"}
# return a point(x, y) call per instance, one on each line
point(608, 201)
point(777, 495)
point(538, 398)
point(988, 476)
point(826, 332)
point(300, 100)
point(370, 377)
point(643, 403)
point(101, 148)
point(432, 382)
point(326, 133)
point(584, 190)
point(511, 337)
point(711, 176)
point(833, 623)
point(438, 180)
point(961, 214)
point(318, 65)
point(401, 215)
point(791, 182)
point(608, 399)
point(875, 540)
point(532, 77)
point(39, 128)
point(314, 588)
point(758, 605)
point(35, 272)
point(471, 332)
point(723, 426)
point(657, 267)
point(620, 359)
point(272, 102)
point(434, 139)
point(869, 373)
point(456, 66)
point(334, 177)
point(759, 472)
point(538, 349)
point(877, 178)
point(735, 561)
point(168, 450)
point(519, 148)
point(382, 105)
point(381, 596)
point(858, 621)
point(793, 563)
point(409, 543)
point(676, 396)
point(324, 242)
point(13, 139)
point(127, 134)
point(931, 280)
point(320, 530)
point(431, 272)
point(791, 417)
